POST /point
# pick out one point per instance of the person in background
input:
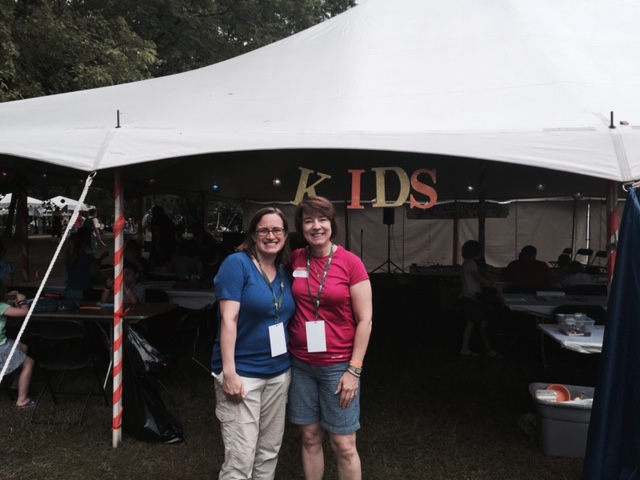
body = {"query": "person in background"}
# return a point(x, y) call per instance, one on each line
point(6, 270)
point(329, 338)
point(56, 223)
point(145, 224)
point(250, 360)
point(474, 305)
point(133, 291)
point(81, 264)
point(563, 267)
point(528, 273)
point(163, 238)
point(78, 223)
point(14, 304)
point(92, 223)
point(133, 256)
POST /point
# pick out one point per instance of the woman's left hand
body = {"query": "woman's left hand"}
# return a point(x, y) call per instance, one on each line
point(348, 389)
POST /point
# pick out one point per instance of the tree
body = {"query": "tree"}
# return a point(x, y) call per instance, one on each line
point(56, 48)
point(189, 34)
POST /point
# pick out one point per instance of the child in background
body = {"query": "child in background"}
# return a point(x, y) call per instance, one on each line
point(17, 307)
point(133, 292)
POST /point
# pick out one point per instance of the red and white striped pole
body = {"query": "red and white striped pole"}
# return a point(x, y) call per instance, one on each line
point(118, 309)
point(613, 226)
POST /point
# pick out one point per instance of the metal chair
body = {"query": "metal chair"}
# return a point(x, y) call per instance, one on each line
point(584, 252)
point(61, 347)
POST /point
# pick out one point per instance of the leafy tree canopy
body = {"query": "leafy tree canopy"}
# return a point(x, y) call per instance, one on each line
point(57, 46)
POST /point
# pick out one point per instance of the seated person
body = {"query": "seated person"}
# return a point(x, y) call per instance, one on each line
point(529, 273)
point(563, 267)
point(133, 291)
point(133, 256)
point(575, 275)
point(14, 304)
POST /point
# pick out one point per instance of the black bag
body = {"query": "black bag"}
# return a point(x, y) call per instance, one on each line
point(145, 358)
point(144, 414)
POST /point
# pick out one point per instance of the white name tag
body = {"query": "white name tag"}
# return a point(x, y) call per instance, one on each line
point(277, 339)
point(300, 273)
point(316, 336)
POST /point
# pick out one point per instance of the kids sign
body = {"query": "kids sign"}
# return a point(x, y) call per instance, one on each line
point(406, 185)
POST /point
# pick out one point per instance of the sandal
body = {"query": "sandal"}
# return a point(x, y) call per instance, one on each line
point(493, 354)
point(30, 404)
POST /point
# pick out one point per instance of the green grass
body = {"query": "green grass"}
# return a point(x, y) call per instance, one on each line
point(426, 414)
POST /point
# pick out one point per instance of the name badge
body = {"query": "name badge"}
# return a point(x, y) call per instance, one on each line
point(316, 336)
point(277, 339)
point(300, 273)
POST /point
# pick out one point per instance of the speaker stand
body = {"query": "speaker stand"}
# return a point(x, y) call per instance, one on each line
point(388, 263)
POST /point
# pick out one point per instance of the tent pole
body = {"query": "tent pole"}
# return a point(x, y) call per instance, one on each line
point(118, 310)
point(613, 225)
point(456, 233)
point(23, 220)
point(482, 196)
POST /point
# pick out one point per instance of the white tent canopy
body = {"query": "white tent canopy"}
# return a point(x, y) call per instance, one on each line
point(5, 201)
point(528, 83)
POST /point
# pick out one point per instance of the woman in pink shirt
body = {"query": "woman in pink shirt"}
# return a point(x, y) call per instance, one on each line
point(329, 335)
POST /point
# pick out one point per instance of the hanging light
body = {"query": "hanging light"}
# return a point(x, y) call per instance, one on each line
point(277, 182)
point(540, 187)
point(215, 188)
point(152, 181)
point(470, 188)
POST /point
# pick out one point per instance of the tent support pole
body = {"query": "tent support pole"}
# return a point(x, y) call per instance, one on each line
point(613, 225)
point(118, 308)
point(482, 196)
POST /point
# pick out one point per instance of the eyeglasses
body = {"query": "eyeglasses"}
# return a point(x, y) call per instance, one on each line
point(263, 232)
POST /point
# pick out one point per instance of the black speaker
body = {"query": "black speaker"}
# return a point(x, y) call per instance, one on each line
point(388, 216)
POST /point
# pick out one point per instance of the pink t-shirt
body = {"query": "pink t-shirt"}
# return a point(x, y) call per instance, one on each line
point(346, 270)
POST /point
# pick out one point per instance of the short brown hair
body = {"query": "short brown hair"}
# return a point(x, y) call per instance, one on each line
point(315, 206)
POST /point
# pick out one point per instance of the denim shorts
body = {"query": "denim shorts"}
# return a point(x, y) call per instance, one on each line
point(312, 398)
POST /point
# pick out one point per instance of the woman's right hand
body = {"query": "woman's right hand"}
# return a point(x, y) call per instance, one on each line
point(233, 387)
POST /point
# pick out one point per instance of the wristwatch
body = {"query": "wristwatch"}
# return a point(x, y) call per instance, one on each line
point(357, 371)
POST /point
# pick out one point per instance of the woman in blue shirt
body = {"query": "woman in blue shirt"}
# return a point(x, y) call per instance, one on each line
point(250, 357)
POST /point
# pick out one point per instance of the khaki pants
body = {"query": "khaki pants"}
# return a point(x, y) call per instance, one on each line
point(252, 430)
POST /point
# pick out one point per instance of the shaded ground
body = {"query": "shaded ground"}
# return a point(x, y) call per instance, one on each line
point(426, 413)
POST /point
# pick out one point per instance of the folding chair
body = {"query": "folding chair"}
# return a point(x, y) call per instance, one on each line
point(61, 347)
point(584, 252)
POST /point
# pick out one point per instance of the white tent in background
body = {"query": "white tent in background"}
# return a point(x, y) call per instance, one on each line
point(5, 201)
point(65, 202)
